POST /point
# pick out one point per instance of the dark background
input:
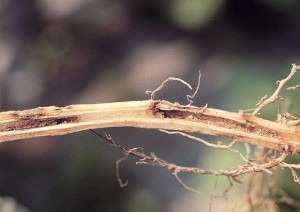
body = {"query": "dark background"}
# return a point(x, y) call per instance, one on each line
point(88, 51)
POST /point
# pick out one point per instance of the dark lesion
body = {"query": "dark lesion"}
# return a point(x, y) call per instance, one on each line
point(194, 115)
point(35, 121)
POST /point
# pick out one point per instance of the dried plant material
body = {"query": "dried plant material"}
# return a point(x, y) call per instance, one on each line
point(219, 145)
point(292, 168)
point(155, 114)
point(121, 183)
point(293, 122)
point(212, 195)
point(184, 185)
point(274, 140)
point(275, 95)
point(292, 87)
point(257, 194)
point(152, 93)
point(283, 197)
point(191, 97)
point(152, 159)
point(261, 100)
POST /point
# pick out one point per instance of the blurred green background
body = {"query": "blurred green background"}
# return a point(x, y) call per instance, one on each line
point(92, 51)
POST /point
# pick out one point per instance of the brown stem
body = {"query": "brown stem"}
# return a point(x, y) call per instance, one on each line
point(155, 114)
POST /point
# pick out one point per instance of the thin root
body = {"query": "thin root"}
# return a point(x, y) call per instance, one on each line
point(152, 93)
point(121, 183)
point(275, 95)
point(292, 87)
point(190, 97)
point(184, 185)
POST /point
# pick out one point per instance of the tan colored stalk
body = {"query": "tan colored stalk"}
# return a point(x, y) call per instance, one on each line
point(155, 114)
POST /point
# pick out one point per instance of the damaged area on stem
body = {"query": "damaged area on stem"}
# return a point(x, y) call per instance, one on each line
point(274, 140)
